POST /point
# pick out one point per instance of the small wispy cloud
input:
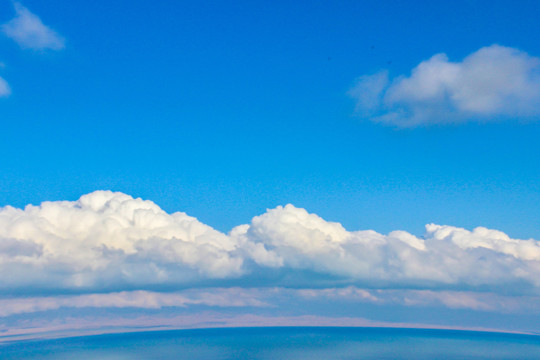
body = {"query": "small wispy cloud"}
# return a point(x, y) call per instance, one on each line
point(5, 90)
point(491, 84)
point(27, 30)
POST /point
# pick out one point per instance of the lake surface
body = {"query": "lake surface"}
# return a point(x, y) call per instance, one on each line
point(282, 343)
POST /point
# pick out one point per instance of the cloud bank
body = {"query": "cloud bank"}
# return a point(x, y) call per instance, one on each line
point(110, 241)
point(27, 30)
point(491, 84)
point(233, 297)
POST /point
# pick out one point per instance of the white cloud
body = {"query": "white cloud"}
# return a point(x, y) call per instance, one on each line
point(111, 241)
point(491, 84)
point(109, 238)
point(29, 32)
point(5, 90)
point(447, 255)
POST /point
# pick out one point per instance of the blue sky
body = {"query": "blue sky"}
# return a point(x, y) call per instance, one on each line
point(223, 110)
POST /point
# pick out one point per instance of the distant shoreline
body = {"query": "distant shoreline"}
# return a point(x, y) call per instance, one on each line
point(65, 334)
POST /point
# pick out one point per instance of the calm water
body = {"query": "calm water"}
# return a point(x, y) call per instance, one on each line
point(282, 343)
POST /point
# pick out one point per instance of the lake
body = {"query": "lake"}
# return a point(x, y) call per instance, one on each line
point(311, 343)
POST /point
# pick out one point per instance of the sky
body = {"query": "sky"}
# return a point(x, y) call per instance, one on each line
point(253, 162)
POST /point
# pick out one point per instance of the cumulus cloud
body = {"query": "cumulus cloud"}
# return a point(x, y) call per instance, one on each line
point(27, 30)
point(446, 256)
point(491, 84)
point(108, 241)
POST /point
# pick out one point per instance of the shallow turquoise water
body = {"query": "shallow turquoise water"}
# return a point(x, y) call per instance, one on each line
point(282, 343)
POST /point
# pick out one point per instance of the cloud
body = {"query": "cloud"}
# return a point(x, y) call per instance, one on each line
point(5, 90)
point(108, 241)
point(491, 84)
point(471, 300)
point(273, 298)
point(27, 30)
point(232, 297)
point(446, 256)
point(66, 315)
